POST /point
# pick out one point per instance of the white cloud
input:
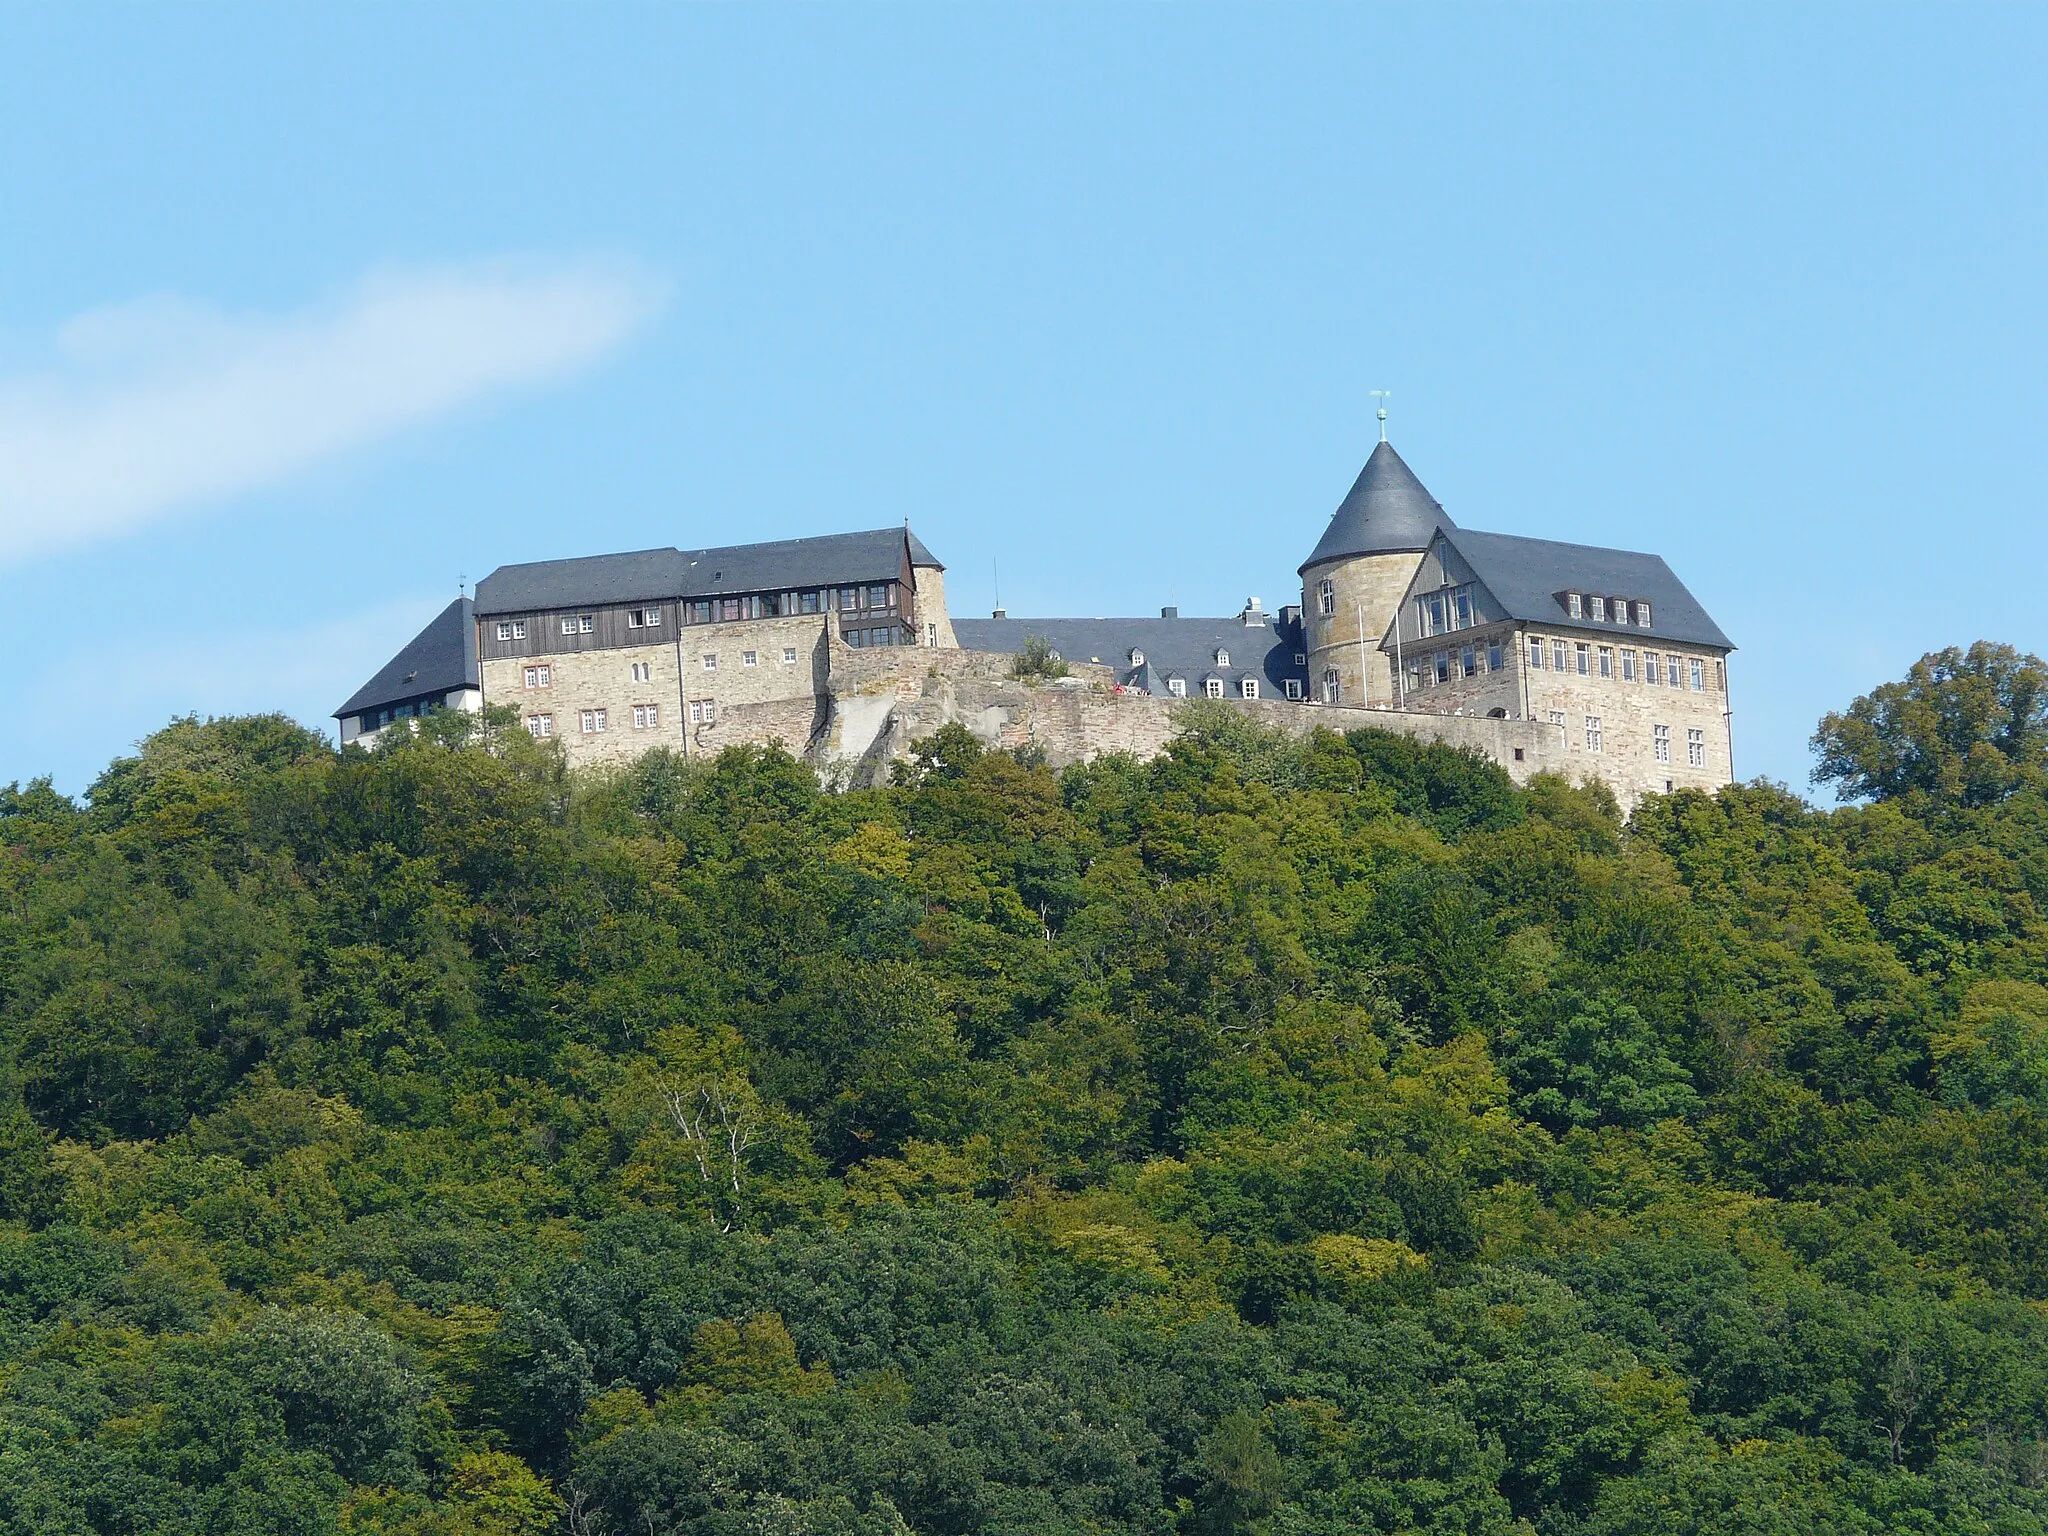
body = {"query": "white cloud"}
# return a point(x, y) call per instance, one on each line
point(153, 406)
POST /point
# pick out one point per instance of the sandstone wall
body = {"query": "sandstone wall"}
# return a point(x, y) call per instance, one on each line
point(1375, 584)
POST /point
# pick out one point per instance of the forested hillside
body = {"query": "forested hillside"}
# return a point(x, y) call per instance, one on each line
point(1281, 1137)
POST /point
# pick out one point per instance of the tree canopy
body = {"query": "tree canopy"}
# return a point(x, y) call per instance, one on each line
point(1280, 1136)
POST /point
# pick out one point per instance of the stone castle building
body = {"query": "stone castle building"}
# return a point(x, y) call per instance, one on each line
point(1545, 656)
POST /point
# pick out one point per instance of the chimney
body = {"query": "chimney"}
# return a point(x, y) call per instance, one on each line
point(1169, 613)
point(1000, 613)
point(1253, 617)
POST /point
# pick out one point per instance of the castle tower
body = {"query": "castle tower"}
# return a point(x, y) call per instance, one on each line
point(1355, 579)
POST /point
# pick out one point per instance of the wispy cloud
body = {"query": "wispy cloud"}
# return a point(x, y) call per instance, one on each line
point(154, 406)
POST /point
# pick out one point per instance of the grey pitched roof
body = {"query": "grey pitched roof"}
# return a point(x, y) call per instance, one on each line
point(1387, 511)
point(600, 580)
point(1184, 648)
point(591, 581)
point(919, 555)
point(1530, 576)
point(439, 659)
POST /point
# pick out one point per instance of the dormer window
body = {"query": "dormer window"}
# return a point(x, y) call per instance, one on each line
point(1222, 658)
point(1213, 686)
point(1574, 605)
point(1600, 609)
point(1137, 657)
point(1177, 686)
point(1642, 613)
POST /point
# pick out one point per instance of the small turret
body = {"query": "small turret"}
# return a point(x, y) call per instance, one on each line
point(1352, 583)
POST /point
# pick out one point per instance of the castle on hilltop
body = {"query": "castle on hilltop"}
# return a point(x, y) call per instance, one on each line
point(1544, 656)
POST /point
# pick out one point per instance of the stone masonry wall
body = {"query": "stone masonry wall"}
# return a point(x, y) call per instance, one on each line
point(1375, 583)
point(883, 701)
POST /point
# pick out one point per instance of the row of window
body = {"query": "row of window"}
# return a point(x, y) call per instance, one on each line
point(542, 674)
point(1427, 670)
point(1626, 610)
point(1589, 660)
point(1660, 739)
point(595, 722)
point(881, 596)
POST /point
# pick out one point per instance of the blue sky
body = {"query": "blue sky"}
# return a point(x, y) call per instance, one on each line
point(305, 314)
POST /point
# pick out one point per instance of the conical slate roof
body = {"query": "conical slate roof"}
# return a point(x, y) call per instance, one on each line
point(1388, 511)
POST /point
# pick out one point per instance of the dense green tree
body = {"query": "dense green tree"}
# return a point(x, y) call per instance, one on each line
point(1287, 1134)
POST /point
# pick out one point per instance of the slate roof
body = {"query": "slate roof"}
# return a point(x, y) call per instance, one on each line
point(1527, 577)
point(1184, 648)
point(438, 660)
point(645, 575)
point(1388, 511)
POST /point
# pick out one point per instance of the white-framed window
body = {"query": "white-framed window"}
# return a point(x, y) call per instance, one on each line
point(643, 618)
point(1574, 605)
point(1557, 718)
point(1177, 686)
point(703, 712)
point(1300, 659)
point(1558, 652)
point(1660, 742)
point(1607, 661)
point(1595, 738)
point(1294, 689)
point(1585, 658)
point(568, 624)
point(1213, 687)
point(1642, 613)
point(541, 676)
point(504, 629)
point(1442, 660)
point(1628, 664)
point(1461, 604)
point(1699, 675)
point(1536, 653)
point(1674, 671)
point(1696, 748)
point(1326, 598)
point(1222, 658)
point(593, 721)
point(646, 717)
point(540, 727)
point(710, 661)
point(749, 658)
point(1415, 672)
point(789, 655)
point(1248, 686)
point(1137, 657)
point(1600, 609)
point(1468, 662)
point(1331, 687)
point(1653, 669)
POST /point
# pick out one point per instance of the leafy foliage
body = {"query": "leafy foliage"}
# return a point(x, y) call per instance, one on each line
point(1282, 1136)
